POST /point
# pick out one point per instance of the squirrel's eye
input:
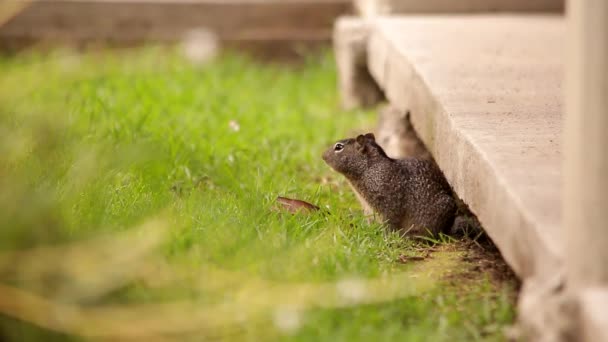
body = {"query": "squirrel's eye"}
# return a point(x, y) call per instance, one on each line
point(338, 147)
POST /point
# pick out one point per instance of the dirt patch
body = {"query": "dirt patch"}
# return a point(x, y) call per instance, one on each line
point(478, 260)
point(485, 258)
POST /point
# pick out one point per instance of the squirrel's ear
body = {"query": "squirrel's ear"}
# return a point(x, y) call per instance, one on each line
point(360, 143)
point(370, 136)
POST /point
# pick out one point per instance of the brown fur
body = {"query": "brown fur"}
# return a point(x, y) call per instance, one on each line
point(410, 194)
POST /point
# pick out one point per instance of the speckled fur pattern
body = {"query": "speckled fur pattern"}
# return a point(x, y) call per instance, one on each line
point(410, 194)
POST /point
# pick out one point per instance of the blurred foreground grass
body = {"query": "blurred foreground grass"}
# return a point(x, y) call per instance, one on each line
point(136, 195)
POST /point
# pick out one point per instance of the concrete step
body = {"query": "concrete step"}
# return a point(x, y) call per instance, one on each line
point(485, 95)
point(593, 320)
point(383, 7)
point(131, 21)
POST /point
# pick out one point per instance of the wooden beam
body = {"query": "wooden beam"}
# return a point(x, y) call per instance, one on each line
point(10, 8)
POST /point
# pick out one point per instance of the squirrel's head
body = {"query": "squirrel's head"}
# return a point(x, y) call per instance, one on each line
point(352, 157)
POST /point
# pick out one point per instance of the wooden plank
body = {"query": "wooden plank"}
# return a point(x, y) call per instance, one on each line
point(132, 21)
point(383, 7)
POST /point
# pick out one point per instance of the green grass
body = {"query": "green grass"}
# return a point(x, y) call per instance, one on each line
point(94, 146)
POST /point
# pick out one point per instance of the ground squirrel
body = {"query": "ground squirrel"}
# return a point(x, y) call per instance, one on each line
point(410, 194)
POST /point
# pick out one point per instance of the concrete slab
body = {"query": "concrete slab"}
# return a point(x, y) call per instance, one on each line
point(485, 95)
point(384, 7)
point(592, 315)
point(237, 22)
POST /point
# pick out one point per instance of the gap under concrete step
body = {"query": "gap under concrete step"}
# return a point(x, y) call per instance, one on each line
point(485, 96)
